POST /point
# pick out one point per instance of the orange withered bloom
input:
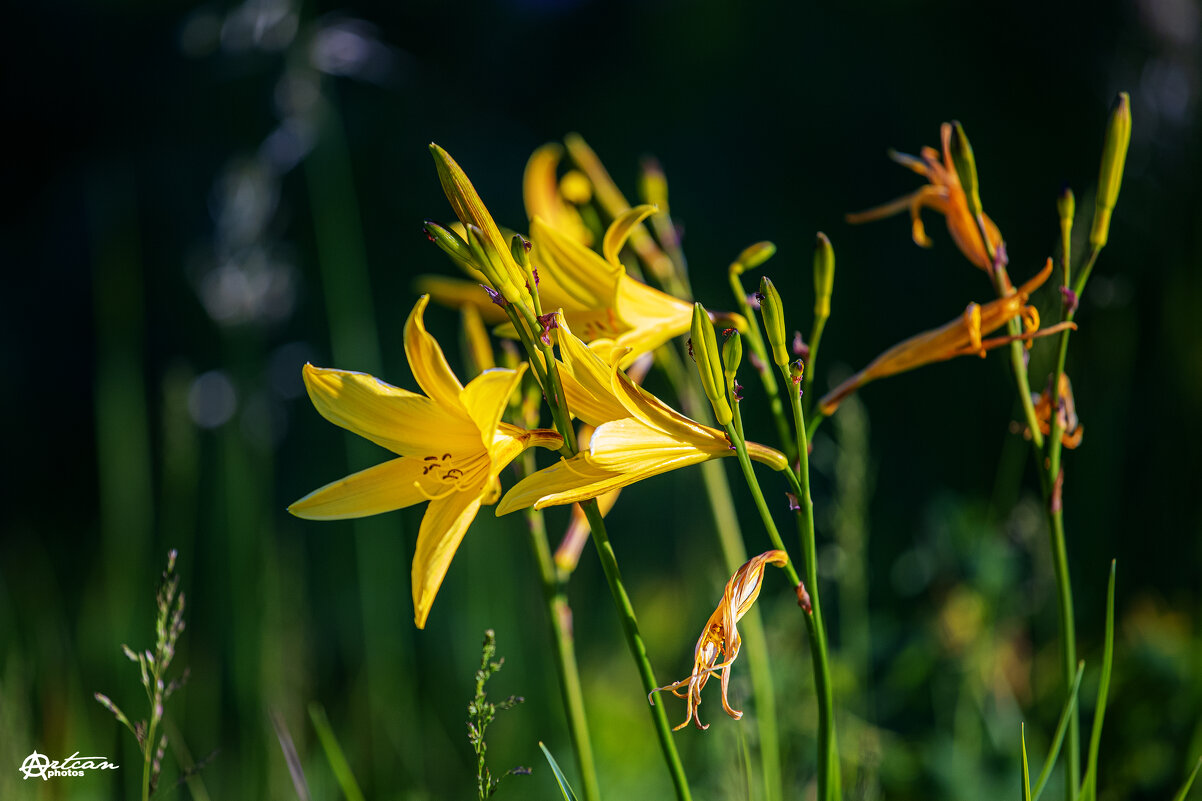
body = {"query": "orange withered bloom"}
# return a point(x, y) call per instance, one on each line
point(1070, 425)
point(720, 638)
point(945, 195)
point(962, 336)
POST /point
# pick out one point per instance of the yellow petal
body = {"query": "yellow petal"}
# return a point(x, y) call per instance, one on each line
point(620, 229)
point(569, 268)
point(654, 316)
point(540, 191)
point(577, 479)
point(404, 422)
point(486, 397)
point(632, 446)
point(426, 359)
point(383, 488)
point(443, 526)
point(587, 380)
point(657, 414)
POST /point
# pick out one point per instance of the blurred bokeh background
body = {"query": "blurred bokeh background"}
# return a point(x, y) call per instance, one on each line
point(200, 198)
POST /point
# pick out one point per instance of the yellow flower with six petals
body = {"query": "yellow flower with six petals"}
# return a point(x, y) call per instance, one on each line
point(450, 443)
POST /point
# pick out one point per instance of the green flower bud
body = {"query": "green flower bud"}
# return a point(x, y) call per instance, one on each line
point(709, 365)
point(653, 185)
point(1110, 176)
point(1066, 206)
point(732, 355)
point(489, 263)
point(451, 243)
point(753, 257)
point(773, 312)
point(824, 276)
point(520, 247)
point(966, 168)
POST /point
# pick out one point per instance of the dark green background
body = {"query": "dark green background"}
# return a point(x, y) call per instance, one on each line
point(771, 122)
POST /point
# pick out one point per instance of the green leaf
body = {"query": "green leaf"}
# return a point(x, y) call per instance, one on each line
point(1089, 785)
point(1058, 739)
point(1184, 791)
point(1026, 769)
point(334, 755)
point(564, 787)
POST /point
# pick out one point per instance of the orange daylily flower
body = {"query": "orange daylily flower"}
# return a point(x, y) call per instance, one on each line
point(720, 637)
point(946, 196)
point(962, 336)
point(1070, 425)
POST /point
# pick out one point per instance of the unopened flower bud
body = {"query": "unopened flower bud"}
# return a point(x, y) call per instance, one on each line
point(824, 276)
point(966, 167)
point(490, 264)
point(753, 257)
point(1066, 206)
point(520, 247)
point(709, 364)
point(653, 184)
point(1110, 176)
point(451, 243)
point(774, 321)
point(732, 354)
point(575, 187)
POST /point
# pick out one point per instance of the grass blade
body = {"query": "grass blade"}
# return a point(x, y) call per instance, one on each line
point(564, 787)
point(1184, 791)
point(337, 760)
point(295, 770)
point(1058, 740)
point(1026, 768)
point(1089, 785)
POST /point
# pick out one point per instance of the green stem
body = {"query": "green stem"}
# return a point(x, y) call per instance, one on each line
point(734, 554)
point(808, 378)
point(828, 749)
point(557, 400)
point(559, 615)
point(1055, 512)
point(634, 641)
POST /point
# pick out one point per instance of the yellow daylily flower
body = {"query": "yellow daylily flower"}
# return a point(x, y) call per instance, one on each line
point(450, 443)
point(962, 336)
point(720, 637)
point(636, 435)
point(946, 196)
point(597, 296)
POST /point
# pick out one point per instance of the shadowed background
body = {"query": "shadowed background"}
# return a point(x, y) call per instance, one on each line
point(202, 198)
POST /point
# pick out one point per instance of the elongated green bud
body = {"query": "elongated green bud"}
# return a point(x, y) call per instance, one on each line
point(519, 246)
point(709, 365)
point(490, 264)
point(732, 355)
point(653, 185)
point(1066, 206)
point(966, 167)
point(451, 243)
point(753, 257)
point(824, 276)
point(773, 312)
point(1110, 176)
